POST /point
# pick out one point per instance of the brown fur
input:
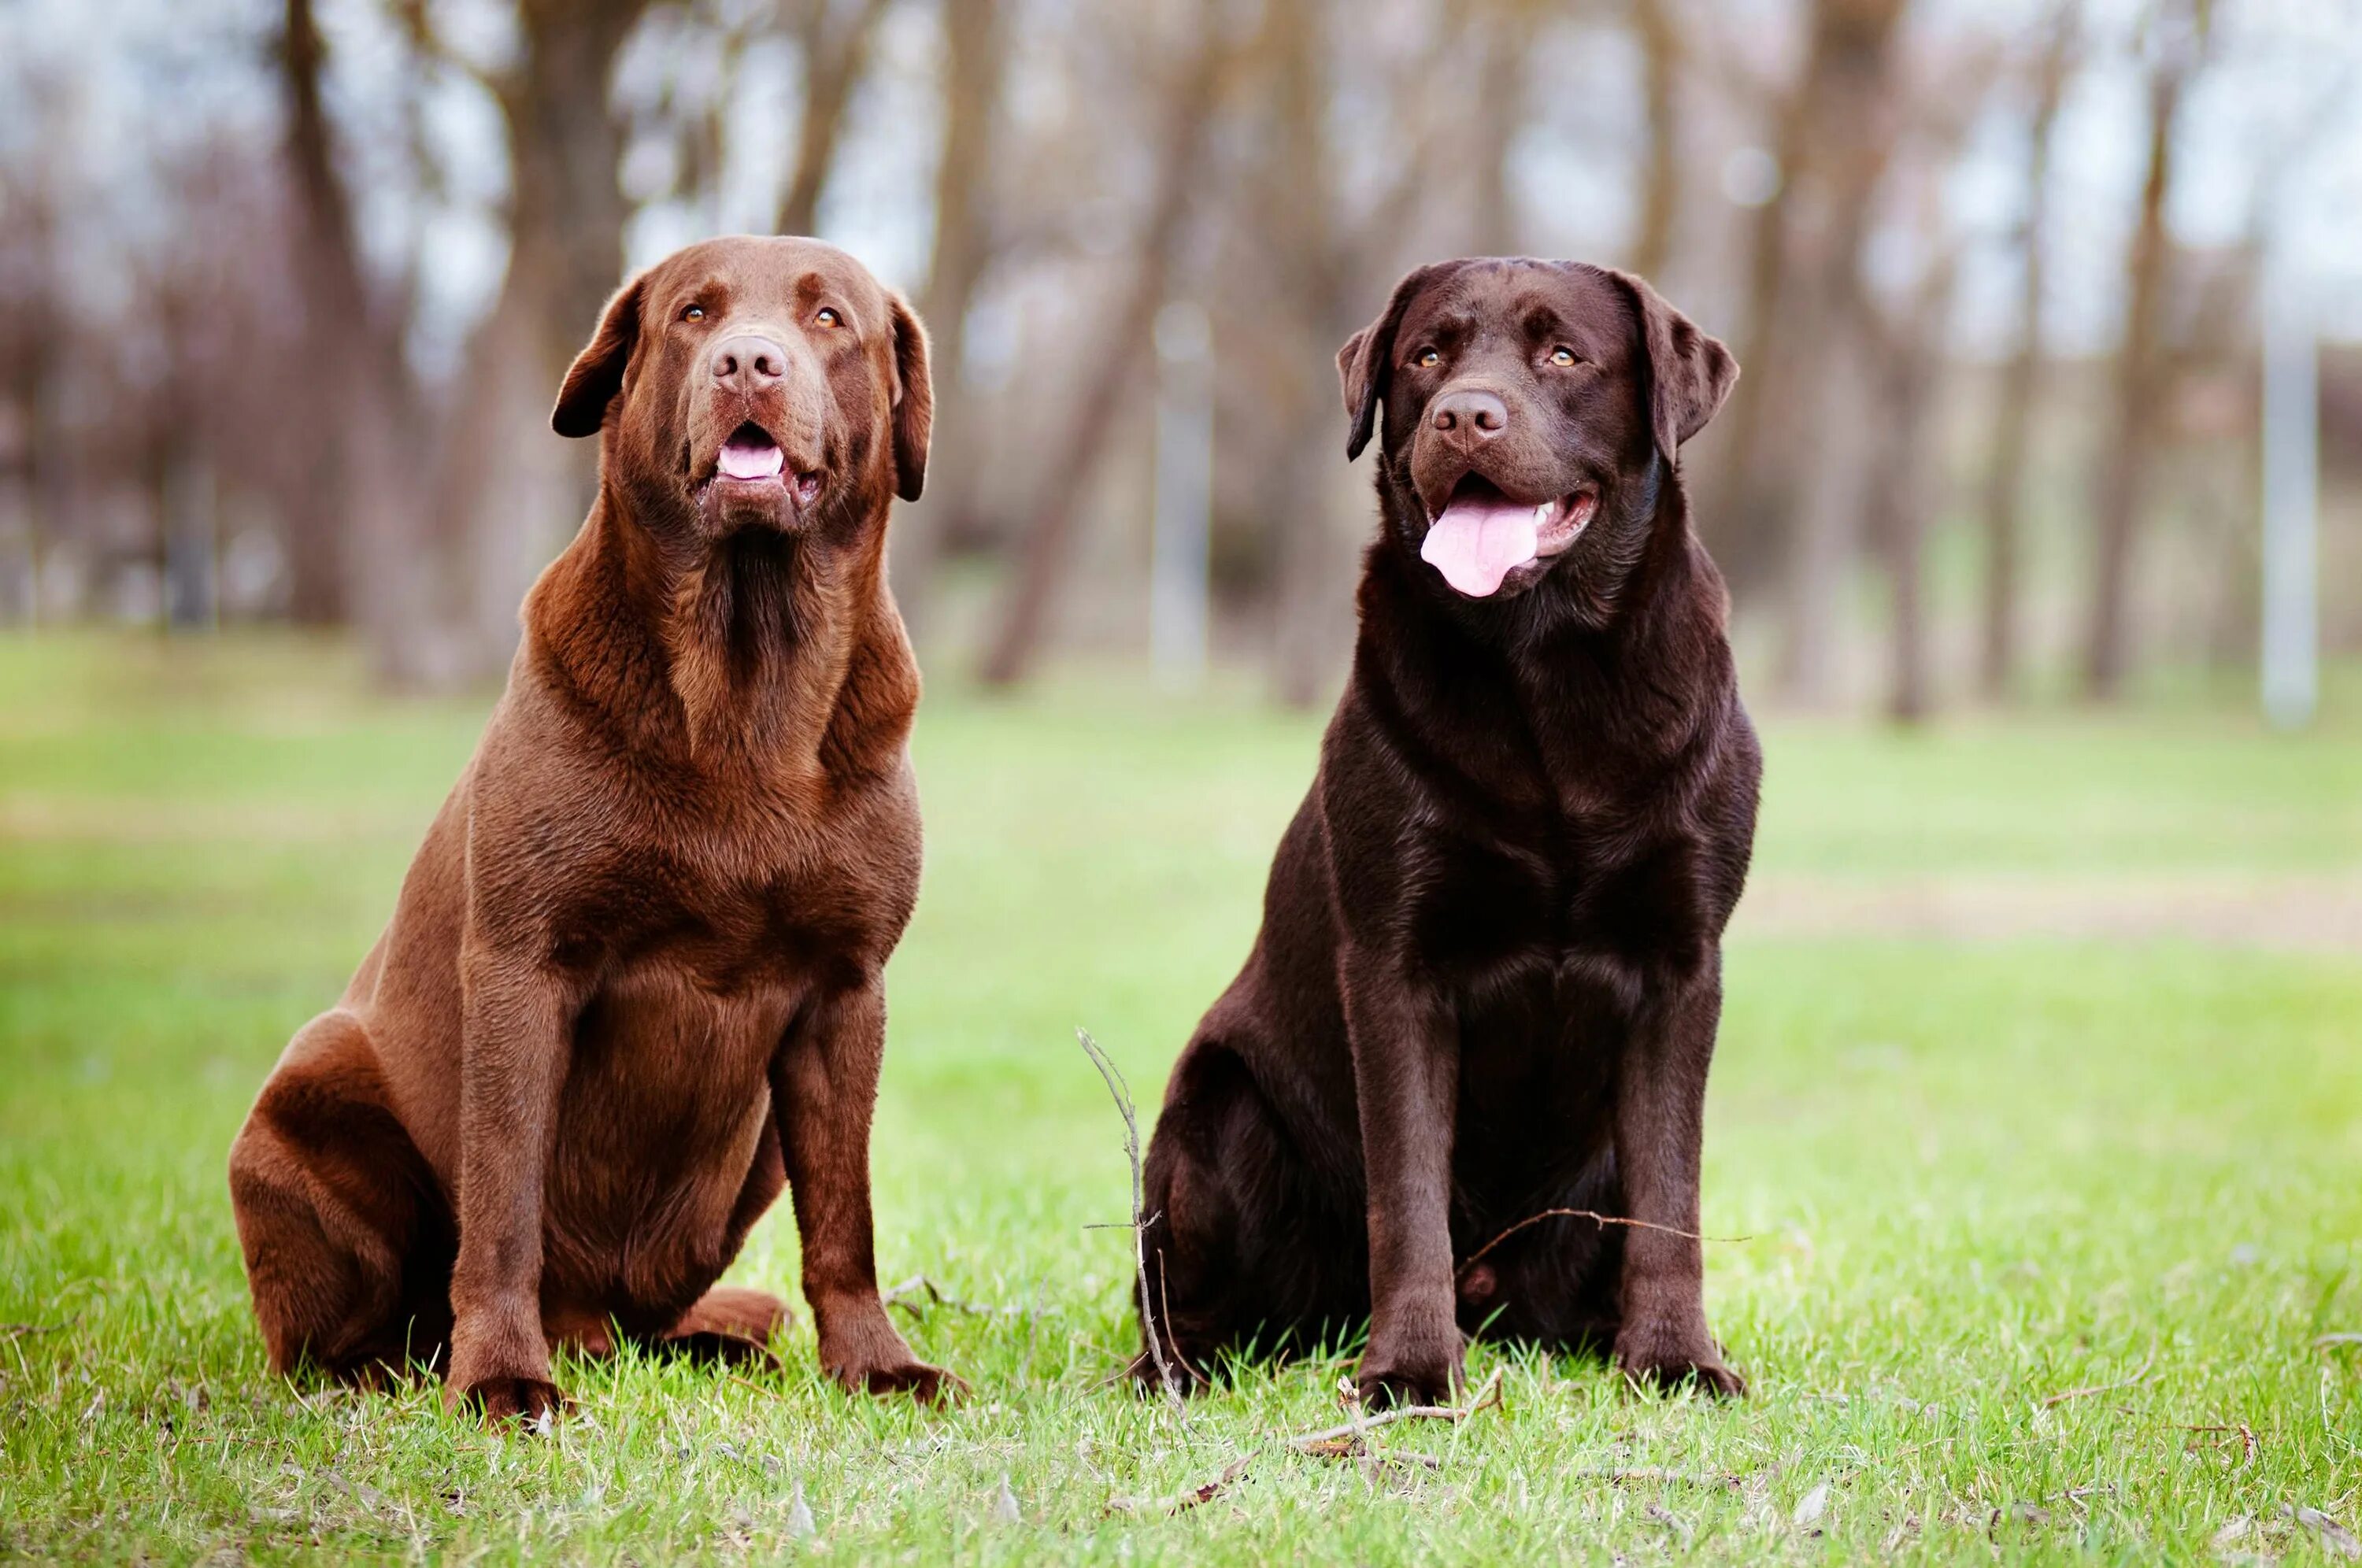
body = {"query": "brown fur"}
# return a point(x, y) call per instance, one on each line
point(1489, 971)
point(632, 986)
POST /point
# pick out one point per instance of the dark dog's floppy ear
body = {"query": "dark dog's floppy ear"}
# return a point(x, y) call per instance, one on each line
point(1364, 362)
point(597, 373)
point(914, 401)
point(1689, 373)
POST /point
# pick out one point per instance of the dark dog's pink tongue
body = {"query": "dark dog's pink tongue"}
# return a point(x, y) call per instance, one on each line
point(1476, 543)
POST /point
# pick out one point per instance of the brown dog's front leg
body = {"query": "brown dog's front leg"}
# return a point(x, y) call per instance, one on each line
point(512, 1065)
point(1660, 1127)
point(823, 1091)
point(1407, 1079)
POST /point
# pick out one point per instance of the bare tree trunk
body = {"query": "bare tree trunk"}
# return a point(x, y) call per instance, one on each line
point(1905, 483)
point(513, 491)
point(1832, 142)
point(1658, 35)
point(834, 57)
point(362, 531)
point(976, 37)
point(1033, 586)
point(2021, 383)
point(1497, 113)
point(2141, 377)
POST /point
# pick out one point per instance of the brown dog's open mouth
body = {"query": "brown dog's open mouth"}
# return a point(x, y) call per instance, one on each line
point(1481, 535)
point(752, 460)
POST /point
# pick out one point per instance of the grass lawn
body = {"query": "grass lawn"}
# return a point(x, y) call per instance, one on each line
point(1974, 1175)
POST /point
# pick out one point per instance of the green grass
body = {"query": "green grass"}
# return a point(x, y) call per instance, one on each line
point(1973, 1176)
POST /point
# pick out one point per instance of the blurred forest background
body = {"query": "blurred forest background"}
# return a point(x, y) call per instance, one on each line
point(286, 289)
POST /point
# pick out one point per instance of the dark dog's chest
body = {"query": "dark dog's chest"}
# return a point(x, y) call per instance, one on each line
point(1577, 899)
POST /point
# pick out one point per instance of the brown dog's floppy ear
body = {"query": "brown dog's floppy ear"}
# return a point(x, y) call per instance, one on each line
point(1689, 373)
point(597, 373)
point(1362, 362)
point(914, 402)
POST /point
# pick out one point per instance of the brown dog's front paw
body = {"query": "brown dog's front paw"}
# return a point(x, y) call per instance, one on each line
point(1672, 1362)
point(498, 1400)
point(927, 1385)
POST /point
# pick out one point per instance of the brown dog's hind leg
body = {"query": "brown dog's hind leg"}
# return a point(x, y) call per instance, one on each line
point(347, 1241)
point(730, 1324)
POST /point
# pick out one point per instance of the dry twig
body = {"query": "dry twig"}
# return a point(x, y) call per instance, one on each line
point(1594, 1215)
point(2064, 1394)
point(919, 1284)
point(1122, 1091)
point(1355, 1431)
point(1182, 1502)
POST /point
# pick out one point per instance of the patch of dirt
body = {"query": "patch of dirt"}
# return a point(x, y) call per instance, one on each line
point(2302, 912)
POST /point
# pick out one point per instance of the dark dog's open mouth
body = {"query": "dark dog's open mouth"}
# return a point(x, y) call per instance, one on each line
point(752, 460)
point(1481, 535)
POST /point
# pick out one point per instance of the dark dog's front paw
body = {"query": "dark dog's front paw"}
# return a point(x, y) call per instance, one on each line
point(500, 1398)
point(1426, 1373)
point(1677, 1361)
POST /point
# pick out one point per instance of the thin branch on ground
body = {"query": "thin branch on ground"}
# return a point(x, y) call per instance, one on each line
point(1662, 1477)
point(918, 1285)
point(1478, 1256)
point(1182, 1502)
point(1323, 1442)
point(2330, 1341)
point(2064, 1394)
point(1122, 1091)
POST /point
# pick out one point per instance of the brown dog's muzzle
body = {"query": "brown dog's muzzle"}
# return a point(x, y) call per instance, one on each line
point(762, 415)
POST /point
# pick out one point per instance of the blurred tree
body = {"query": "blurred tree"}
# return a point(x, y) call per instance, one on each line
point(2021, 381)
point(355, 522)
point(509, 491)
point(832, 37)
point(2143, 385)
point(1116, 351)
point(975, 63)
point(1657, 30)
point(1833, 129)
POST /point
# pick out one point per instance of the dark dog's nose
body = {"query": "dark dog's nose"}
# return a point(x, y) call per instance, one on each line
point(1469, 416)
point(746, 363)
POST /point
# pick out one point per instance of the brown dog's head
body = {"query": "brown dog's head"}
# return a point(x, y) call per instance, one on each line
point(755, 382)
point(1533, 413)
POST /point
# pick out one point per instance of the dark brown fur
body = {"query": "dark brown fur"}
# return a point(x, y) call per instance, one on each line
point(633, 985)
point(1489, 972)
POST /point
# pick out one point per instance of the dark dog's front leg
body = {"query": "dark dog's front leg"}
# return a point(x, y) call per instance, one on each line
point(824, 1090)
point(1660, 1127)
point(1407, 1079)
point(514, 1052)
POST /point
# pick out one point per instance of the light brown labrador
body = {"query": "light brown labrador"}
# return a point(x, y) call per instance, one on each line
point(634, 982)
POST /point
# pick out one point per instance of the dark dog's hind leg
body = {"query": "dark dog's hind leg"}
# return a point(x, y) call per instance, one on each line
point(1242, 1248)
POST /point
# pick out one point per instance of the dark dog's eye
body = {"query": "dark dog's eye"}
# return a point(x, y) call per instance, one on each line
point(694, 312)
point(1427, 356)
point(1562, 355)
point(828, 317)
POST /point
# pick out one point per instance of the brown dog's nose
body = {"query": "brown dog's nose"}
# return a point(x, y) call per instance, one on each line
point(746, 363)
point(1469, 415)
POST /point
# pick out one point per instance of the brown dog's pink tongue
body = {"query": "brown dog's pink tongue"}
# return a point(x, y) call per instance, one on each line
point(1475, 543)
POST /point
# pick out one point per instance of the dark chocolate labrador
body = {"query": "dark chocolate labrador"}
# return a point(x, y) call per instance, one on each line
point(1489, 974)
point(635, 982)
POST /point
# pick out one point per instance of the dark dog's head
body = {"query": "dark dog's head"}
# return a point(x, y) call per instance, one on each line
point(1528, 405)
point(755, 382)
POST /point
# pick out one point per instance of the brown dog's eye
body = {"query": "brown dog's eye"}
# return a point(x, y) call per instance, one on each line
point(1562, 355)
point(1427, 357)
point(694, 312)
point(828, 317)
